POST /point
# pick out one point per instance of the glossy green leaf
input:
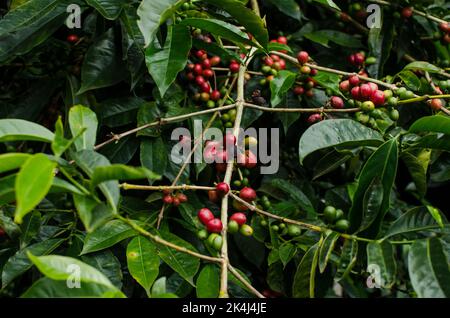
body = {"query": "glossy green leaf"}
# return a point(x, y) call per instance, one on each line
point(337, 132)
point(110, 9)
point(437, 124)
point(280, 85)
point(348, 259)
point(417, 170)
point(106, 236)
point(30, 228)
point(208, 282)
point(323, 37)
point(329, 3)
point(117, 112)
point(372, 202)
point(326, 249)
point(60, 144)
point(82, 118)
point(423, 66)
point(428, 269)
point(288, 7)
point(382, 255)
point(410, 79)
point(19, 129)
point(286, 252)
point(328, 81)
point(381, 164)
point(13, 160)
point(121, 172)
point(300, 198)
point(143, 262)
point(380, 42)
point(154, 155)
point(108, 264)
point(304, 279)
point(91, 213)
point(164, 63)
point(32, 184)
point(19, 263)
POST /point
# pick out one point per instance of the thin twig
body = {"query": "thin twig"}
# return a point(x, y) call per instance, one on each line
point(302, 110)
point(182, 187)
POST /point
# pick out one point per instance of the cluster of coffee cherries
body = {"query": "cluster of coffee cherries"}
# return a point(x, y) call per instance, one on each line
point(335, 218)
point(445, 28)
point(174, 199)
point(305, 81)
point(359, 59)
point(201, 73)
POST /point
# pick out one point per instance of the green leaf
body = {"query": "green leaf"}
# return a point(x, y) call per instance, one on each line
point(182, 263)
point(103, 65)
point(82, 118)
point(382, 164)
point(336, 132)
point(288, 7)
point(164, 63)
point(91, 213)
point(143, 262)
point(246, 17)
point(329, 3)
point(19, 129)
point(219, 28)
point(410, 79)
point(107, 263)
point(65, 268)
point(60, 144)
point(30, 228)
point(382, 256)
point(418, 171)
point(347, 259)
point(372, 202)
point(423, 66)
point(323, 37)
point(436, 214)
point(208, 282)
point(296, 194)
point(437, 124)
point(7, 193)
point(48, 288)
point(117, 112)
point(428, 269)
point(121, 172)
point(88, 160)
point(304, 279)
point(106, 236)
point(326, 249)
point(154, 155)
point(380, 46)
point(12, 161)
point(19, 263)
point(286, 252)
point(110, 9)
point(152, 13)
point(415, 220)
point(280, 85)
point(32, 184)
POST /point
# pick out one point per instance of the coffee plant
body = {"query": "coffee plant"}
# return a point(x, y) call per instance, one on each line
point(105, 104)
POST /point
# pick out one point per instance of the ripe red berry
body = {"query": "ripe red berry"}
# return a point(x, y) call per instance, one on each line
point(446, 38)
point(378, 98)
point(176, 201)
point(213, 196)
point(198, 69)
point(200, 80)
point(166, 191)
point(72, 38)
point(268, 61)
point(200, 54)
point(205, 87)
point(190, 66)
point(359, 58)
point(275, 57)
point(282, 40)
point(214, 226)
point(314, 118)
point(234, 67)
point(344, 86)
point(168, 199)
point(445, 27)
point(365, 91)
point(302, 57)
point(356, 93)
point(215, 95)
point(222, 188)
point(351, 59)
point(206, 63)
point(353, 80)
point(190, 76)
point(298, 90)
point(205, 215)
point(436, 104)
point(309, 93)
point(239, 218)
point(337, 102)
point(208, 73)
point(313, 72)
point(247, 194)
point(373, 87)
point(182, 197)
point(215, 60)
point(407, 12)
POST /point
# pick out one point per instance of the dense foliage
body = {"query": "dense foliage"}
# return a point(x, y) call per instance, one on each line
point(95, 202)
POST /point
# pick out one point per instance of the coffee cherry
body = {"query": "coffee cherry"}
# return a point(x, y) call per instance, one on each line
point(204, 96)
point(337, 102)
point(233, 227)
point(359, 58)
point(445, 27)
point(298, 90)
point(393, 101)
point(202, 234)
point(215, 95)
point(215, 60)
point(200, 80)
point(294, 230)
point(268, 61)
point(314, 118)
point(339, 214)
point(407, 12)
point(205, 215)
point(436, 104)
point(208, 73)
point(368, 106)
point(234, 67)
point(342, 225)
point(394, 114)
point(446, 38)
point(72, 38)
point(302, 57)
point(168, 199)
point(378, 98)
point(351, 59)
point(275, 228)
point(182, 197)
point(206, 63)
point(354, 80)
point(222, 188)
point(344, 86)
point(305, 70)
point(198, 69)
point(239, 218)
point(282, 64)
point(371, 60)
point(211, 238)
point(365, 91)
point(246, 230)
point(309, 93)
point(356, 93)
point(250, 160)
point(176, 201)
point(217, 243)
point(329, 214)
point(313, 72)
point(205, 87)
point(247, 194)
point(214, 225)
point(213, 196)
point(282, 40)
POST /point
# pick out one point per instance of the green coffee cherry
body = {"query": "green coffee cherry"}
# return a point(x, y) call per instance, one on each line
point(294, 230)
point(233, 227)
point(202, 234)
point(329, 213)
point(246, 230)
point(342, 225)
point(339, 214)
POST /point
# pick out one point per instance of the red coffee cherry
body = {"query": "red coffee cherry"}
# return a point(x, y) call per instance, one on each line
point(356, 93)
point(234, 67)
point(407, 12)
point(365, 91)
point(298, 90)
point(168, 199)
point(436, 104)
point(378, 98)
point(72, 38)
point(302, 57)
point(239, 218)
point(337, 102)
point(214, 226)
point(182, 197)
point(354, 80)
point(215, 60)
point(282, 40)
point(215, 95)
point(205, 215)
point(314, 118)
point(359, 59)
point(222, 188)
point(247, 194)
point(213, 196)
point(344, 86)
